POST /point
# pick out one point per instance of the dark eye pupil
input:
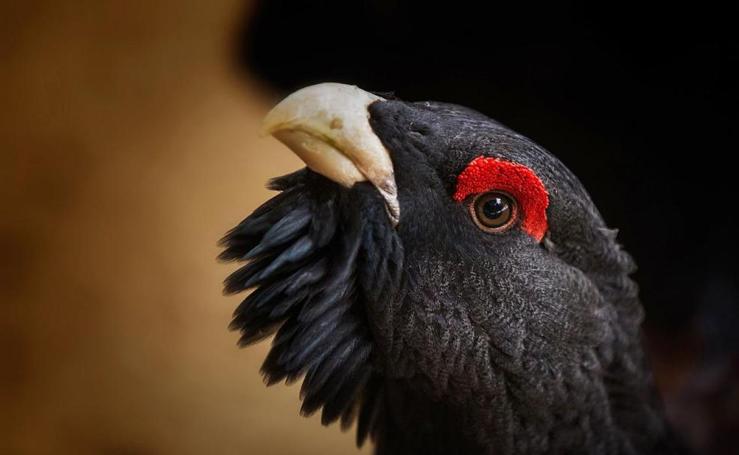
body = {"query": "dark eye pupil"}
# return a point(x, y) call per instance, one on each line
point(495, 207)
point(493, 210)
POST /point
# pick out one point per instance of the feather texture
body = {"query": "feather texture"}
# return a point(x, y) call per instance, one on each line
point(300, 251)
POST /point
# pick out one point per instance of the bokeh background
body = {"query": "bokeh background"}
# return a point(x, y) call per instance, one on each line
point(129, 145)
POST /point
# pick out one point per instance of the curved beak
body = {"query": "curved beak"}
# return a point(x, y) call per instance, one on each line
point(327, 126)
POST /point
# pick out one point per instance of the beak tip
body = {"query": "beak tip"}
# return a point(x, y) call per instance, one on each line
point(394, 217)
point(327, 126)
point(389, 192)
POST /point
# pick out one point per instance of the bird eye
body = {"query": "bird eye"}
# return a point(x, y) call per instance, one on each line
point(494, 211)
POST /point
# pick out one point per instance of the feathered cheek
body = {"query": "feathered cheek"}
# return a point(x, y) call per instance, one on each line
point(485, 174)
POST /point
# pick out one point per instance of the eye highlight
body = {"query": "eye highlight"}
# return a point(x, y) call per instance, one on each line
point(494, 211)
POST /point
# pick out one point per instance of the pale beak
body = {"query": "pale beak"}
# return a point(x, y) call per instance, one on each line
point(327, 126)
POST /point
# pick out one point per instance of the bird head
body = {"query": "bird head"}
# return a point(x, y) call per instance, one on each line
point(427, 245)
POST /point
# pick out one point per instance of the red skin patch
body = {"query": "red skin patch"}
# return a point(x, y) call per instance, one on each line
point(485, 174)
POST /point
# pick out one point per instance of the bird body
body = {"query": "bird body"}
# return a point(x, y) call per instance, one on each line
point(467, 299)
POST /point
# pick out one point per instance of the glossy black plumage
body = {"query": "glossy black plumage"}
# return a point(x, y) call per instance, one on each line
point(301, 262)
point(436, 336)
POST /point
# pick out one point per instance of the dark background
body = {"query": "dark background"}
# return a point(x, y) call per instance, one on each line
point(640, 102)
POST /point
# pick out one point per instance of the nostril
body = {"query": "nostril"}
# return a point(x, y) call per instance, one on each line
point(419, 129)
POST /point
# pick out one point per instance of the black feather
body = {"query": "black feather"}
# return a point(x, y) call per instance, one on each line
point(302, 263)
point(243, 278)
point(282, 231)
point(369, 409)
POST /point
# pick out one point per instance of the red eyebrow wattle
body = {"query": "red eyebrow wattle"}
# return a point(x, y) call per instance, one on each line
point(485, 174)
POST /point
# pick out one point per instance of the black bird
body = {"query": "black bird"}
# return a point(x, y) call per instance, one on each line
point(444, 281)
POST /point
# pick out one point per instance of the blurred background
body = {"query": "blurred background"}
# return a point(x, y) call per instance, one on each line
point(129, 145)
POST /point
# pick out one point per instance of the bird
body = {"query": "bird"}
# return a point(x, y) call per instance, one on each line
point(444, 282)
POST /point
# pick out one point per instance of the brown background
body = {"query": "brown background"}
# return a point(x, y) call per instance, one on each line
point(128, 146)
